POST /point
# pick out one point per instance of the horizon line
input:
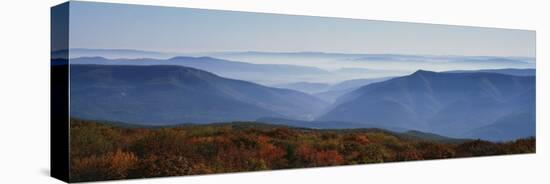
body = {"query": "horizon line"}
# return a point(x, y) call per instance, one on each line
point(288, 52)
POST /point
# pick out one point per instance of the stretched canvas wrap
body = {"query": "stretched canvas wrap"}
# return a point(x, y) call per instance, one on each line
point(146, 91)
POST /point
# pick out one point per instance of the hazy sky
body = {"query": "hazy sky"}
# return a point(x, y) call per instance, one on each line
point(99, 25)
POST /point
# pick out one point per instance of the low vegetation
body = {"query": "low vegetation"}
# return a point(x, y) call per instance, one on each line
point(101, 151)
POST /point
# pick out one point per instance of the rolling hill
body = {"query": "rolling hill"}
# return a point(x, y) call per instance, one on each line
point(451, 104)
point(306, 87)
point(324, 124)
point(341, 88)
point(175, 94)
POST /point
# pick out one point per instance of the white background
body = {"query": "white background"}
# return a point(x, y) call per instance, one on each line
point(24, 90)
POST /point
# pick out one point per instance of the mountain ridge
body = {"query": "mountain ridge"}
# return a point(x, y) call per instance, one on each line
point(179, 94)
point(444, 103)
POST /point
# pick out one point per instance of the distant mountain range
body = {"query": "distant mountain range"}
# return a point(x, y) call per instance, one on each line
point(176, 94)
point(395, 62)
point(452, 104)
point(244, 55)
point(365, 56)
point(507, 71)
point(492, 104)
point(259, 73)
point(110, 53)
point(344, 66)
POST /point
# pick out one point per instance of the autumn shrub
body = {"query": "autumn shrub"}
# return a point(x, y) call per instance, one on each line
point(159, 141)
point(374, 153)
point(432, 150)
point(407, 152)
point(90, 140)
point(312, 157)
point(527, 145)
point(113, 165)
point(102, 152)
point(167, 165)
point(282, 133)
